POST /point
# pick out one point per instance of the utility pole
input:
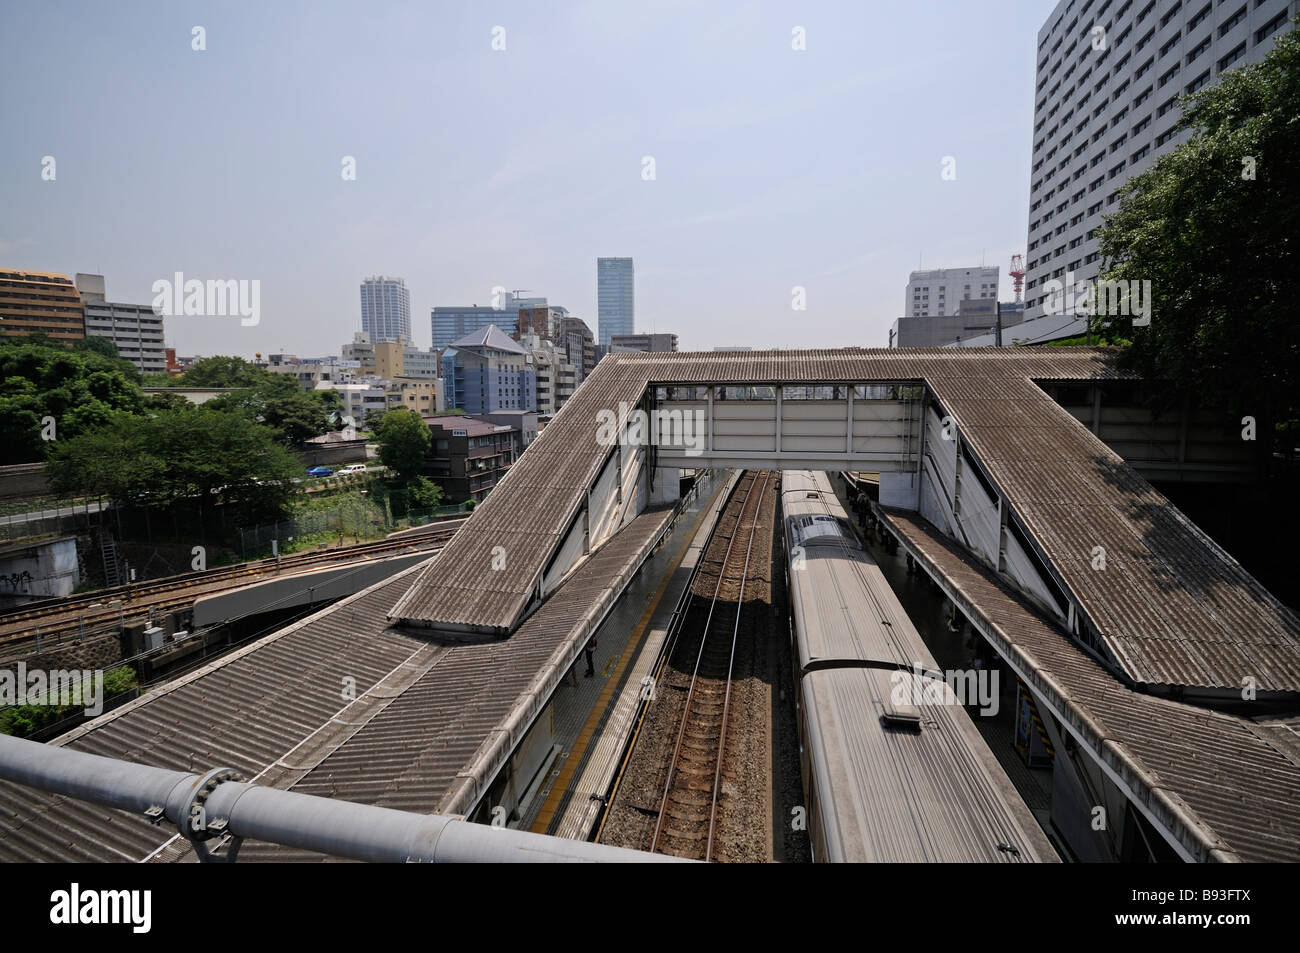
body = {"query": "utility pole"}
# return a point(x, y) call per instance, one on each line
point(997, 339)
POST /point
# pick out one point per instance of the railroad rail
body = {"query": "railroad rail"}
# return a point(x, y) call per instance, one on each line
point(694, 782)
point(54, 616)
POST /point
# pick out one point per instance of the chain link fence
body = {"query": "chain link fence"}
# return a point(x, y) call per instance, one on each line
point(360, 518)
point(47, 518)
point(430, 513)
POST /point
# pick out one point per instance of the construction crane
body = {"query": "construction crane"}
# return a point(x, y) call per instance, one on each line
point(1018, 275)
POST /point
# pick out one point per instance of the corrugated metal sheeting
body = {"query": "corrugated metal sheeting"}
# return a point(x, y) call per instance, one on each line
point(244, 711)
point(936, 794)
point(1172, 607)
point(1225, 783)
point(422, 727)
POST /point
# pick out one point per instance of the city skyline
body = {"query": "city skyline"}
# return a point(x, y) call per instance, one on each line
point(253, 187)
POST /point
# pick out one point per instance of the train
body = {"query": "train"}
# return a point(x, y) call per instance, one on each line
point(894, 768)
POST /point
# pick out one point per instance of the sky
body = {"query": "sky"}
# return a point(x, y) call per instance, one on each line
point(478, 167)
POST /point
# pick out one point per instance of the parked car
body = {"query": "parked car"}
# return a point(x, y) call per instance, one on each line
point(320, 472)
point(352, 469)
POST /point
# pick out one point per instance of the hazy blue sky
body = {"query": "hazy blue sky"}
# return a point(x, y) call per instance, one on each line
point(478, 168)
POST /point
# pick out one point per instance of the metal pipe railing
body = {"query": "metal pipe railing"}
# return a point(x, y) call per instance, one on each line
point(325, 825)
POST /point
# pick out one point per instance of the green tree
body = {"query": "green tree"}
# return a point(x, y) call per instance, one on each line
point(223, 371)
point(80, 389)
point(403, 439)
point(98, 345)
point(278, 401)
point(188, 460)
point(424, 493)
point(1213, 226)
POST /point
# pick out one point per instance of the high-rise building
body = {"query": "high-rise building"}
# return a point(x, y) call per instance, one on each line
point(453, 322)
point(615, 300)
point(1106, 107)
point(938, 291)
point(136, 329)
point(40, 301)
point(385, 309)
point(580, 344)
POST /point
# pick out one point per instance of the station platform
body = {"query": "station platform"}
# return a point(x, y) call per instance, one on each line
point(593, 717)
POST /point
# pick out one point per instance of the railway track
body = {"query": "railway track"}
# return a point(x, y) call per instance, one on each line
point(688, 817)
point(55, 616)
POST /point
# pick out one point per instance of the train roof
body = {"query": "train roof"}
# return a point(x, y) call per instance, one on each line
point(901, 795)
point(843, 606)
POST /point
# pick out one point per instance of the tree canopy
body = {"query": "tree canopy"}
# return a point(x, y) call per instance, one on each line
point(1214, 225)
point(179, 458)
point(81, 389)
point(403, 439)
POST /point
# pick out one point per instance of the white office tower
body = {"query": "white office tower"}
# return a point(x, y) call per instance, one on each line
point(1106, 105)
point(940, 290)
point(385, 309)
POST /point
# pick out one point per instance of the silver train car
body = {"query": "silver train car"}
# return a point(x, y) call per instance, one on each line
point(894, 768)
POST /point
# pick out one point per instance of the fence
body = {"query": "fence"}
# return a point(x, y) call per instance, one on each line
point(360, 518)
point(429, 513)
point(47, 518)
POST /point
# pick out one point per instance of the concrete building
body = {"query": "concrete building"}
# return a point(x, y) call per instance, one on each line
point(556, 378)
point(385, 309)
point(643, 342)
point(546, 322)
point(527, 422)
point(136, 329)
point(973, 318)
point(421, 395)
point(615, 298)
point(360, 398)
point(486, 371)
point(1106, 105)
point(937, 291)
point(451, 323)
point(389, 358)
point(580, 345)
point(40, 301)
point(468, 457)
point(313, 370)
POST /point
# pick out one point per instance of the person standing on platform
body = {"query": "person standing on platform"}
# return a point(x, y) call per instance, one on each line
point(590, 651)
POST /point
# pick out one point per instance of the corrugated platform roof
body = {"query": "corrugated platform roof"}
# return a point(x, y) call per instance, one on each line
point(1227, 782)
point(1172, 607)
point(429, 725)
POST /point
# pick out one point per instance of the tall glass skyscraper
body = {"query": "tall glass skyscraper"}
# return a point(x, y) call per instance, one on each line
point(385, 309)
point(614, 298)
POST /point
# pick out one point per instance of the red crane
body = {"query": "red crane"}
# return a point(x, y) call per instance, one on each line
point(1018, 274)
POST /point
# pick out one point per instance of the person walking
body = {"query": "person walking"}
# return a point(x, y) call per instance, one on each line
point(590, 651)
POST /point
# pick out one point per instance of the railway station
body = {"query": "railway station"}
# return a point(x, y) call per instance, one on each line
point(753, 667)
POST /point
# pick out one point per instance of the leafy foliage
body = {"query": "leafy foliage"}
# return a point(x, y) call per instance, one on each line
point(1220, 246)
point(23, 720)
point(403, 439)
point(81, 389)
point(183, 459)
point(424, 493)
